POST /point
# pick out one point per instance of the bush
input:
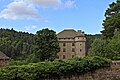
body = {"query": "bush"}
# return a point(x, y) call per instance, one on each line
point(58, 68)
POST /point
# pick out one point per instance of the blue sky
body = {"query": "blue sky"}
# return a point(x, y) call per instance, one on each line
point(33, 15)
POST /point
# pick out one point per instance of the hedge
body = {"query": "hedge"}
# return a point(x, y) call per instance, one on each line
point(55, 69)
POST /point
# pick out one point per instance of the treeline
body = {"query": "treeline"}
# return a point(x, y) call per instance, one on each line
point(16, 45)
point(25, 46)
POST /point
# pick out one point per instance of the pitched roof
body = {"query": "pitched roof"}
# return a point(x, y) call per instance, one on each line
point(3, 56)
point(69, 33)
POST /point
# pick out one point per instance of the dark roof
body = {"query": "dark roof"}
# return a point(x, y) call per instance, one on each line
point(3, 56)
point(69, 33)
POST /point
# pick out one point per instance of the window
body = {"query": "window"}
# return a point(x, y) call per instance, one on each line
point(64, 44)
point(73, 49)
point(64, 50)
point(80, 44)
point(63, 56)
point(73, 44)
point(73, 56)
point(80, 50)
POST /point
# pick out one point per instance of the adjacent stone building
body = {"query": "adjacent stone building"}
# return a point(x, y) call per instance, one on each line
point(4, 60)
point(72, 44)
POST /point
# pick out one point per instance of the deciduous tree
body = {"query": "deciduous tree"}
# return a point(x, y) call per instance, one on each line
point(47, 43)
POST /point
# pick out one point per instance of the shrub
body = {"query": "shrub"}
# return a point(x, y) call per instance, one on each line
point(58, 68)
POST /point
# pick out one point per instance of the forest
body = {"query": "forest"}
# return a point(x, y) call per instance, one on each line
point(16, 45)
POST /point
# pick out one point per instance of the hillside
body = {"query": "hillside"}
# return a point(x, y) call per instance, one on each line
point(16, 45)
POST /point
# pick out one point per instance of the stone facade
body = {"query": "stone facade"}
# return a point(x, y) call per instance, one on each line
point(72, 44)
point(4, 60)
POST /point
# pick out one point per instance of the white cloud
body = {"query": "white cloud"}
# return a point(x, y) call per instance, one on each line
point(47, 3)
point(70, 4)
point(29, 28)
point(26, 9)
point(53, 3)
point(19, 10)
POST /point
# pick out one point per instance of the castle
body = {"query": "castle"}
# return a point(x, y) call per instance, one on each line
point(72, 44)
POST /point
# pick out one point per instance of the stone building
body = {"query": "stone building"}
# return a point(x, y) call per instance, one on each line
point(72, 44)
point(4, 60)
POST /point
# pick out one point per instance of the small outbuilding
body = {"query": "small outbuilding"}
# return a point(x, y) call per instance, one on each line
point(4, 60)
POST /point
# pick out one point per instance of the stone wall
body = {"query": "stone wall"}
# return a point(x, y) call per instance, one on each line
point(108, 73)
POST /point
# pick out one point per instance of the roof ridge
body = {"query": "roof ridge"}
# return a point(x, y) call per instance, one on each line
point(68, 33)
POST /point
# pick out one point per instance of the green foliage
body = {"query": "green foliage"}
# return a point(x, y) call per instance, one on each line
point(90, 40)
point(16, 45)
point(112, 20)
point(32, 59)
point(114, 45)
point(55, 69)
point(47, 43)
point(18, 62)
point(99, 48)
point(29, 47)
point(109, 48)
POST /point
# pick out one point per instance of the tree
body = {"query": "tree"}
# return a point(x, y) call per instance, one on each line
point(99, 48)
point(90, 39)
point(47, 43)
point(114, 43)
point(112, 19)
